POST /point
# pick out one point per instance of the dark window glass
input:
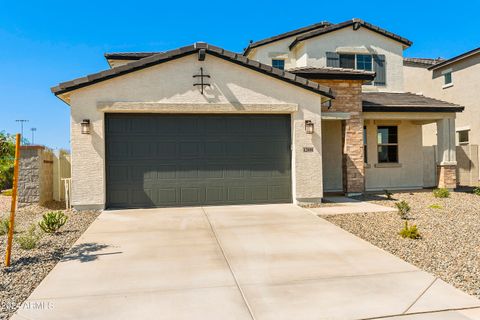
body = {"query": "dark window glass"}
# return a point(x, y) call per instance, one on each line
point(365, 153)
point(347, 61)
point(463, 136)
point(278, 63)
point(387, 141)
point(364, 62)
point(448, 78)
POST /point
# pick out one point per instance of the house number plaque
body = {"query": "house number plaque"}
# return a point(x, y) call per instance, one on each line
point(307, 149)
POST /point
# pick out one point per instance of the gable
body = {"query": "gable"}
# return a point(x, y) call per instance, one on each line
point(200, 50)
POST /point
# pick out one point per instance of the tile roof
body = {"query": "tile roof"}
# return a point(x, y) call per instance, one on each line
point(356, 24)
point(128, 55)
point(155, 59)
point(332, 73)
point(404, 102)
point(285, 35)
point(455, 59)
point(421, 62)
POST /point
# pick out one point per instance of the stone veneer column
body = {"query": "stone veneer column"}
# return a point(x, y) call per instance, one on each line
point(349, 99)
point(35, 176)
point(447, 166)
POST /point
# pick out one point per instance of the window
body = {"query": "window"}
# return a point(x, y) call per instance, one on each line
point(447, 78)
point(365, 153)
point(347, 61)
point(463, 137)
point(364, 62)
point(278, 63)
point(387, 140)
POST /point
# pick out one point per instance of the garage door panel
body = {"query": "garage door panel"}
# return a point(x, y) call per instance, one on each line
point(178, 160)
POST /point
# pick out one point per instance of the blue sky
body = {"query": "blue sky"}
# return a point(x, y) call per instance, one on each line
point(46, 42)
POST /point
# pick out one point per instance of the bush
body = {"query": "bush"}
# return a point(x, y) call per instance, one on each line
point(435, 206)
point(388, 194)
point(7, 157)
point(476, 191)
point(29, 239)
point(410, 232)
point(403, 209)
point(7, 193)
point(53, 221)
point(4, 226)
point(441, 193)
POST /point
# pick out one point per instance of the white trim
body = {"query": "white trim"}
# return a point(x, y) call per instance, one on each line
point(464, 128)
point(445, 86)
point(335, 115)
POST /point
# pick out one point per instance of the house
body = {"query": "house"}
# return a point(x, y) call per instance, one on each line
point(314, 110)
point(454, 80)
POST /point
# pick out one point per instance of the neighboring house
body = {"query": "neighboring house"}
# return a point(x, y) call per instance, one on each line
point(200, 125)
point(456, 80)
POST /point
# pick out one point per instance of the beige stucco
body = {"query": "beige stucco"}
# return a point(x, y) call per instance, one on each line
point(312, 52)
point(172, 83)
point(408, 174)
point(464, 91)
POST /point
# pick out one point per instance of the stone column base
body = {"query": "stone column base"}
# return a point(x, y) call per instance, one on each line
point(447, 176)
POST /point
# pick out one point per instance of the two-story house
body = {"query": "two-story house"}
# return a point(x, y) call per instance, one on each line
point(455, 80)
point(314, 110)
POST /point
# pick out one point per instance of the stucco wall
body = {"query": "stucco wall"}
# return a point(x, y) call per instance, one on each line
point(410, 172)
point(465, 92)
point(172, 82)
point(360, 41)
point(275, 50)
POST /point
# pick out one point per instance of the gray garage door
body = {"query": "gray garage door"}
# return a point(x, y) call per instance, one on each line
point(190, 160)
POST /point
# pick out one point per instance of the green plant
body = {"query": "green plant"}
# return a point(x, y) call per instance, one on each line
point(52, 221)
point(4, 226)
point(476, 191)
point(403, 209)
point(410, 232)
point(7, 157)
point(435, 206)
point(7, 193)
point(29, 239)
point(388, 194)
point(441, 193)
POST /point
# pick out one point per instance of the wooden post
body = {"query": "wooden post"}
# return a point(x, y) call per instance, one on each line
point(14, 201)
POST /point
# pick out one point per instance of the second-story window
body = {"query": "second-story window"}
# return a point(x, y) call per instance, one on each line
point(278, 63)
point(364, 62)
point(447, 78)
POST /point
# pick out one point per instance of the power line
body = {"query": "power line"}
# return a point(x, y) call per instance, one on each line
point(22, 121)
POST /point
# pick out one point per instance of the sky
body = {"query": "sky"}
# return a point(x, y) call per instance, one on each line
point(43, 43)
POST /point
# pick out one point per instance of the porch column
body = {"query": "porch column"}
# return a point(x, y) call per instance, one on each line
point(447, 161)
point(353, 165)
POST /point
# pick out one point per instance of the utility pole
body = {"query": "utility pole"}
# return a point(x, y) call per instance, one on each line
point(33, 135)
point(22, 121)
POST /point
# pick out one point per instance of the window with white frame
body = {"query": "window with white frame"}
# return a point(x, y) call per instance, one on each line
point(447, 78)
point(463, 136)
point(387, 144)
point(278, 63)
point(356, 61)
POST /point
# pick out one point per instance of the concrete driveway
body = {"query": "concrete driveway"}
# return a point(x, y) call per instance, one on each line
point(237, 262)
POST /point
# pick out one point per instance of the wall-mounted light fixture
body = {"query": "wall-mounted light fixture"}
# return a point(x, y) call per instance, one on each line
point(85, 126)
point(309, 127)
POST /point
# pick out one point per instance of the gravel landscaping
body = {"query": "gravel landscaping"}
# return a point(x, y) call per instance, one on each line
point(450, 230)
point(29, 267)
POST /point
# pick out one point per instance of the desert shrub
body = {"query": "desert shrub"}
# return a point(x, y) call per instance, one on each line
point(7, 157)
point(410, 232)
point(52, 221)
point(4, 226)
point(403, 209)
point(476, 191)
point(29, 239)
point(7, 193)
point(441, 193)
point(388, 194)
point(435, 206)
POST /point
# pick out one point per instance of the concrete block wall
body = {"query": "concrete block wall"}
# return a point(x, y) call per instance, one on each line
point(35, 179)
